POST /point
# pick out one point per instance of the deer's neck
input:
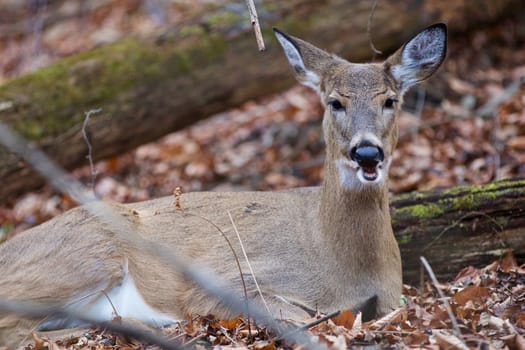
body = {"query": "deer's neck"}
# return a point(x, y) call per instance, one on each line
point(354, 223)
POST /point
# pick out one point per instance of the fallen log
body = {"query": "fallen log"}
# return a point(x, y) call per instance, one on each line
point(460, 226)
point(148, 87)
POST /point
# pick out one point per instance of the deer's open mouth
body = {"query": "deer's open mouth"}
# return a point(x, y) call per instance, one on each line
point(353, 175)
point(370, 173)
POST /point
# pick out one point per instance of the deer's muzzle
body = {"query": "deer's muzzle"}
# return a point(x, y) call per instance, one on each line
point(367, 156)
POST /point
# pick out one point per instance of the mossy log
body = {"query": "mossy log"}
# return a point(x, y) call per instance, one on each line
point(461, 226)
point(148, 87)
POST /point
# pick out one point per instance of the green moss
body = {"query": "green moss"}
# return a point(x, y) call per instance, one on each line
point(53, 100)
point(183, 61)
point(422, 211)
point(491, 187)
point(464, 202)
point(404, 238)
point(223, 19)
point(473, 200)
point(192, 30)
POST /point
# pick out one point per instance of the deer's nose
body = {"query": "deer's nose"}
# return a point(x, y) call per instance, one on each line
point(367, 155)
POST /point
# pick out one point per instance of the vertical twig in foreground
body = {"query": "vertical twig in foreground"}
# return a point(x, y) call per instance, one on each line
point(369, 31)
point(455, 326)
point(89, 156)
point(248, 263)
point(255, 24)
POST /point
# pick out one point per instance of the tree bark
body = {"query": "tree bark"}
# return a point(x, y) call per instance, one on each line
point(148, 87)
point(461, 226)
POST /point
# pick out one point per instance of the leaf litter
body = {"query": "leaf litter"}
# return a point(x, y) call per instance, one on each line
point(458, 137)
point(488, 304)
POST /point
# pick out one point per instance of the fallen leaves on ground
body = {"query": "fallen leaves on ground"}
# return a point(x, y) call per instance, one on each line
point(488, 305)
point(458, 137)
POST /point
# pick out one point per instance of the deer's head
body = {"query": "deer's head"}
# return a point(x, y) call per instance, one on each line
point(362, 101)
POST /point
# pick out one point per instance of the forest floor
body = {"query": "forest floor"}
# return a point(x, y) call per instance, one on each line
point(465, 126)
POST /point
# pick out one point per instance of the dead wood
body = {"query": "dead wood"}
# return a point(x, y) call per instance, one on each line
point(460, 226)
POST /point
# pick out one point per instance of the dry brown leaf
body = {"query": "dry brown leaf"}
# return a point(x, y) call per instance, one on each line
point(520, 319)
point(514, 341)
point(416, 338)
point(346, 319)
point(39, 343)
point(520, 342)
point(231, 324)
point(474, 294)
point(517, 143)
point(399, 315)
point(448, 341)
point(264, 345)
point(335, 342)
point(467, 274)
point(508, 262)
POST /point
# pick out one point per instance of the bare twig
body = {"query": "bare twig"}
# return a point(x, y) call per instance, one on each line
point(177, 193)
point(255, 24)
point(39, 8)
point(418, 110)
point(455, 326)
point(34, 310)
point(311, 324)
point(89, 156)
point(369, 31)
point(248, 263)
point(191, 342)
point(237, 261)
point(125, 230)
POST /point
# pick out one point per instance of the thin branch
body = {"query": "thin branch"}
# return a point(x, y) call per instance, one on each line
point(37, 311)
point(115, 311)
point(455, 326)
point(311, 324)
point(235, 256)
point(369, 31)
point(248, 262)
point(319, 320)
point(192, 341)
point(418, 111)
point(255, 24)
point(125, 231)
point(89, 156)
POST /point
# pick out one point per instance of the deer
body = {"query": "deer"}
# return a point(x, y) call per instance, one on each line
point(311, 249)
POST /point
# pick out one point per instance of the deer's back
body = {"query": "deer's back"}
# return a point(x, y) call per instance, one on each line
point(74, 255)
point(277, 229)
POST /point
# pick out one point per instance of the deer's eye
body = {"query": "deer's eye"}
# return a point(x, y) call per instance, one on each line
point(389, 103)
point(336, 106)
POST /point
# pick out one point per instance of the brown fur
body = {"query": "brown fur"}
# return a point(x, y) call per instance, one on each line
point(327, 248)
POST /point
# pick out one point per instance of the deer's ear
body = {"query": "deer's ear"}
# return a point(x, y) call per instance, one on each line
point(420, 57)
point(308, 62)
